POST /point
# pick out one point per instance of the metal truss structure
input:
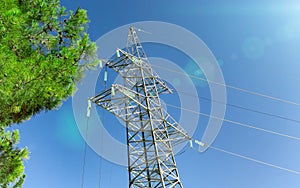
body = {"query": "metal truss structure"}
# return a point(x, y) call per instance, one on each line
point(151, 131)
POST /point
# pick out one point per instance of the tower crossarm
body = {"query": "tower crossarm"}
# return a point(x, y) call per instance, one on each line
point(114, 98)
point(127, 65)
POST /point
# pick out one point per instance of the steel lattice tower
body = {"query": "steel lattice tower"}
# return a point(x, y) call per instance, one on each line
point(151, 131)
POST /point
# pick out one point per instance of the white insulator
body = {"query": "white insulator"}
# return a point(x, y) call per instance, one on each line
point(89, 103)
point(118, 53)
point(88, 111)
point(113, 91)
point(199, 143)
point(100, 64)
point(191, 143)
point(105, 76)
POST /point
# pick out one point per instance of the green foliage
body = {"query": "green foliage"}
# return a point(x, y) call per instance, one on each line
point(11, 160)
point(41, 48)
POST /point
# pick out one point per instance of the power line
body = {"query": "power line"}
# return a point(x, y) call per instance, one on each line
point(255, 160)
point(101, 134)
point(243, 124)
point(236, 123)
point(240, 107)
point(245, 157)
point(231, 87)
point(84, 160)
point(100, 159)
point(85, 144)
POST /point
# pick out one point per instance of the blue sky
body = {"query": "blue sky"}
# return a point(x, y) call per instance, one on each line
point(257, 43)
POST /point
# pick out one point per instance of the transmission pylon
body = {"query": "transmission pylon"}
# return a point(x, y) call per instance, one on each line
point(151, 131)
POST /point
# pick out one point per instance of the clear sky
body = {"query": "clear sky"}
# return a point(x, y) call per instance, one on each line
point(257, 44)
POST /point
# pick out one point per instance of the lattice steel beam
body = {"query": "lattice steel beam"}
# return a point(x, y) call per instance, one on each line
point(151, 131)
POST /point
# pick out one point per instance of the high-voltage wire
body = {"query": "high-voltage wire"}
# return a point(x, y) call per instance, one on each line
point(241, 107)
point(134, 56)
point(256, 160)
point(236, 123)
point(239, 123)
point(243, 157)
point(85, 143)
point(103, 113)
point(231, 87)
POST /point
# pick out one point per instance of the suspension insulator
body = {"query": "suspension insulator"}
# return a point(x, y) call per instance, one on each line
point(118, 53)
point(100, 64)
point(88, 111)
point(113, 93)
point(105, 76)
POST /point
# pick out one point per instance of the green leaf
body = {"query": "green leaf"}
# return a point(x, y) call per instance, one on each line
point(39, 55)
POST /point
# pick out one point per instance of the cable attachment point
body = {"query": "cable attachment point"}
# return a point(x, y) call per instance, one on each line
point(197, 142)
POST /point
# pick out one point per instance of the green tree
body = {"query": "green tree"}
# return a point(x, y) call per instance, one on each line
point(41, 48)
point(11, 164)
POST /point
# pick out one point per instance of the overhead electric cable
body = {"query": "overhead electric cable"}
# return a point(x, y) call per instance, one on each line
point(232, 87)
point(255, 160)
point(101, 134)
point(236, 123)
point(199, 144)
point(240, 107)
point(85, 144)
